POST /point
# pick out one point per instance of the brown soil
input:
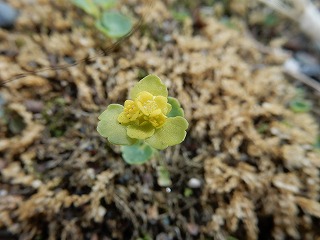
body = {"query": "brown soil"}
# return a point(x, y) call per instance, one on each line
point(254, 157)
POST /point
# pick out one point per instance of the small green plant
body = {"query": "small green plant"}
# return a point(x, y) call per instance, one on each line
point(271, 20)
point(148, 122)
point(187, 192)
point(110, 22)
point(163, 176)
point(180, 16)
point(299, 104)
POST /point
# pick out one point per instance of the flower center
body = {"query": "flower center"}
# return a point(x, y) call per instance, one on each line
point(145, 109)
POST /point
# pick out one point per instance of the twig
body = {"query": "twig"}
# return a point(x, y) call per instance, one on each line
point(304, 79)
point(304, 12)
point(281, 8)
point(122, 204)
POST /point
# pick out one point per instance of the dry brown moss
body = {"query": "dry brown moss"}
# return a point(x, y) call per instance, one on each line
point(254, 156)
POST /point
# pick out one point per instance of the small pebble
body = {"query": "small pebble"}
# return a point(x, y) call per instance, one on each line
point(311, 71)
point(91, 173)
point(306, 59)
point(3, 193)
point(101, 211)
point(36, 184)
point(167, 38)
point(34, 106)
point(8, 15)
point(292, 65)
point(194, 183)
point(162, 236)
point(193, 229)
point(309, 65)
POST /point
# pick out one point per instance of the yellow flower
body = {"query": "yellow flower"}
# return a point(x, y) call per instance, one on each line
point(150, 115)
point(145, 109)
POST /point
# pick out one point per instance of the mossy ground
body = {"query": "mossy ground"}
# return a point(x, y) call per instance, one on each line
point(252, 157)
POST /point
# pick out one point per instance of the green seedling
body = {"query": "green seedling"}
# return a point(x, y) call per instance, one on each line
point(271, 20)
point(105, 4)
point(88, 6)
point(149, 121)
point(145, 237)
point(231, 238)
point(114, 24)
point(187, 192)
point(263, 128)
point(110, 22)
point(300, 105)
point(180, 16)
point(163, 177)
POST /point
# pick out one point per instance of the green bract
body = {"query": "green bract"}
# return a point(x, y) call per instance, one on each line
point(149, 118)
point(110, 128)
point(137, 153)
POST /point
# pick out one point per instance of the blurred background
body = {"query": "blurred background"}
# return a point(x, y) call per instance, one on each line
point(247, 75)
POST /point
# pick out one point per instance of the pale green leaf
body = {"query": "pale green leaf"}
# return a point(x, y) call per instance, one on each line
point(151, 84)
point(176, 108)
point(171, 133)
point(110, 128)
point(163, 177)
point(105, 4)
point(137, 154)
point(140, 132)
point(114, 24)
point(88, 6)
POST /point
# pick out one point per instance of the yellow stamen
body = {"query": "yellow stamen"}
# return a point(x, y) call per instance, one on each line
point(145, 108)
